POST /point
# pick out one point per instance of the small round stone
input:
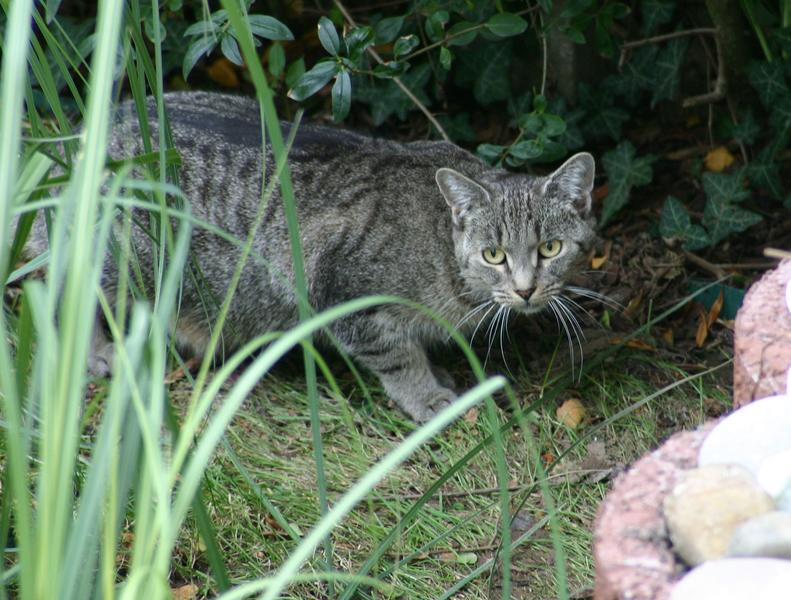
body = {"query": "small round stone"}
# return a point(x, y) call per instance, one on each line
point(736, 579)
point(774, 475)
point(767, 535)
point(750, 435)
point(706, 507)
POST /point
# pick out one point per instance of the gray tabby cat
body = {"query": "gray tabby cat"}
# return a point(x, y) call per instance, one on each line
point(426, 221)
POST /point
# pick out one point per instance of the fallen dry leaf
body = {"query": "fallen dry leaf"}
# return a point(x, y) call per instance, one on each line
point(598, 261)
point(715, 309)
point(221, 71)
point(548, 458)
point(471, 416)
point(719, 159)
point(185, 592)
point(571, 413)
point(668, 337)
point(600, 192)
point(703, 329)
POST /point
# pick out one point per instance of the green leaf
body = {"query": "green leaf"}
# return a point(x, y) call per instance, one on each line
point(506, 24)
point(207, 27)
point(723, 218)
point(445, 58)
point(195, 50)
point(357, 40)
point(747, 130)
point(764, 172)
point(269, 28)
point(276, 59)
point(486, 68)
point(655, 14)
point(405, 44)
point(603, 119)
point(667, 69)
point(489, 152)
point(315, 79)
point(638, 74)
point(387, 29)
point(553, 125)
point(458, 127)
point(230, 49)
point(527, 149)
point(328, 36)
point(624, 171)
point(727, 188)
point(390, 69)
point(386, 98)
point(295, 70)
point(768, 80)
point(435, 25)
point(455, 36)
point(341, 96)
point(675, 223)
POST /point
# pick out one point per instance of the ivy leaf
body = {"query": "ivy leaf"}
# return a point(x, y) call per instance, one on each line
point(655, 14)
point(723, 218)
point(675, 223)
point(506, 24)
point(387, 29)
point(201, 46)
point(269, 28)
point(638, 75)
point(486, 68)
point(341, 96)
point(357, 40)
point(458, 127)
point(207, 27)
point(328, 36)
point(315, 79)
point(727, 188)
point(768, 80)
point(747, 129)
point(603, 119)
point(230, 49)
point(667, 68)
point(764, 172)
point(386, 98)
point(624, 171)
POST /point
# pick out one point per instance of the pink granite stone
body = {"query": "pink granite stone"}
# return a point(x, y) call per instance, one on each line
point(762, 349)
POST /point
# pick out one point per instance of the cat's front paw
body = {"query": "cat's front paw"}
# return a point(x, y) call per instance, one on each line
point(424, 409)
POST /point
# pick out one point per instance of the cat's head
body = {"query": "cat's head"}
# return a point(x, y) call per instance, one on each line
point(518, 239)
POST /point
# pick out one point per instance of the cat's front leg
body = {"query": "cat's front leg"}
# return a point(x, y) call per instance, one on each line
point(407, 377)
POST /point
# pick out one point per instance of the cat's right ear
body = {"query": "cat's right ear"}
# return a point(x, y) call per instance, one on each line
point(460, 192)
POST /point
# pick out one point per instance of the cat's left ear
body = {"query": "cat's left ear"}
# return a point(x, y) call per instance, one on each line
point(460, 192)
point(573, 181)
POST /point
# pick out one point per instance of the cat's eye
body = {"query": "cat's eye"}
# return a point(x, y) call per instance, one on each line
point(550, 248)
point(494, 256)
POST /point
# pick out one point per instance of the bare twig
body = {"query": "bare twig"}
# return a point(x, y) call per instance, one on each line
point(701, 262)
point(415, 100)
point(777, 253)
point(667, 36)
point(718, 93)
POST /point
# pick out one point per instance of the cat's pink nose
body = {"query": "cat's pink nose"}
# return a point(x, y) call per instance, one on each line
point(525, 293)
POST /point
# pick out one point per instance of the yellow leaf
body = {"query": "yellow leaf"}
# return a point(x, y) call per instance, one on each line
point(598, 261)
point(668, 337)
point(716, 307)
point(571, 413)
point(222, 71)
point(718, 159)
point(185, 592)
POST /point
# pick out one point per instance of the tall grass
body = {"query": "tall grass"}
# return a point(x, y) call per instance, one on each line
point(67, 494)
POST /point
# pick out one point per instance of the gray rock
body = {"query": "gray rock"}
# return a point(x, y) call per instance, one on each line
point(736, 579)
point(767, 535)
point(706, 507)
point(750, 435)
